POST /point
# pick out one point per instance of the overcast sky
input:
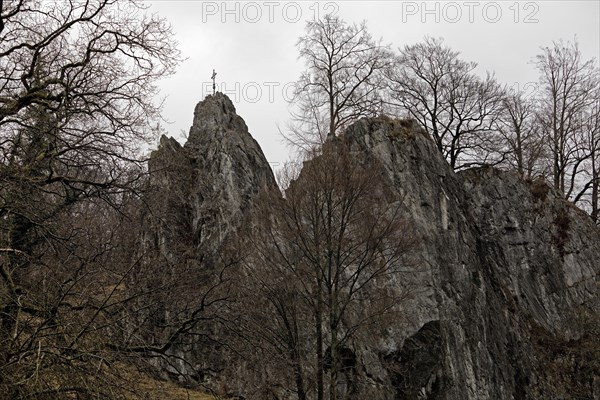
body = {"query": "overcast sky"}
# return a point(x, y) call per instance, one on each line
point(251, 45)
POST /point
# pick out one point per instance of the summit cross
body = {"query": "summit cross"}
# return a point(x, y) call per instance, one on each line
point(214, 75)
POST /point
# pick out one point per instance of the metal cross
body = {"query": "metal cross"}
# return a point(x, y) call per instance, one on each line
point(214, 75)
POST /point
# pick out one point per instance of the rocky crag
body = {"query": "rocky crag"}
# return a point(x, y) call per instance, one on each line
point(197, 197)
point(206, 186)
point(510, 306)
point(507, 299)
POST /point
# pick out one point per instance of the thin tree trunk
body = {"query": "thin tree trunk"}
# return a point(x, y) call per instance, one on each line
point(334, 368)
point(319, 349)
point(595, 184)
point(298, 375)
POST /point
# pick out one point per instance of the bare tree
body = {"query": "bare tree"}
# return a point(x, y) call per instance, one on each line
point(593, 129)
point(457, 108)
point(322, 264)
point(76, 104)
point(568, 85)
point(584, 188)
point(342, 81)
point(521, 141)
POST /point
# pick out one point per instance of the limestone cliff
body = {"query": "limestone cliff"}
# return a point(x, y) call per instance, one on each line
point(206, 186)
point(510, 303)
point(197, 196)
point(507, 299)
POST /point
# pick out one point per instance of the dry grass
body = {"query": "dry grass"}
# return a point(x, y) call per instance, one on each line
point(147, 387)
point(152, 389)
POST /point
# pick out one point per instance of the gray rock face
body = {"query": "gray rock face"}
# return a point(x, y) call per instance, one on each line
point(211, 180)
point(506, 297)
point(511, 279)
point(199, 194)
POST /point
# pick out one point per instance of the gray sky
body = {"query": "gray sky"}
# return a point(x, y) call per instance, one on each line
point(251, 45)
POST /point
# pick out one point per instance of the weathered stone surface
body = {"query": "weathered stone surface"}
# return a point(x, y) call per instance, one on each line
point(199, 194)
point(511, 267)
point(215, 174)
point(505, 297)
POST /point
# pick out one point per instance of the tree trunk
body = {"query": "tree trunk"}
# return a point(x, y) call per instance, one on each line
point(595, 184)
point(319, 349)
point(331, 133)
point(298, 375)
point(11, 269)
point(334, 368)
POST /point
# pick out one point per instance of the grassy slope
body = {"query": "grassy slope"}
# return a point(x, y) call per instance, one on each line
point(158, 390)
point(147, 387)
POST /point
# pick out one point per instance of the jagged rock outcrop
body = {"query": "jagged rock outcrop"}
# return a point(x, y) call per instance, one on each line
point(211, 180)
point(198, 195)
point(512, 279)
point(506, 297)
